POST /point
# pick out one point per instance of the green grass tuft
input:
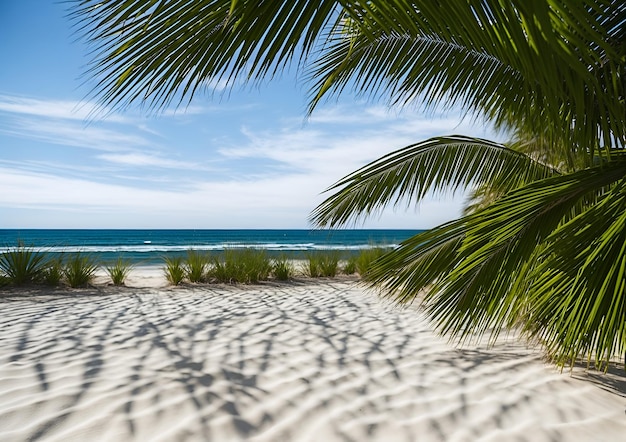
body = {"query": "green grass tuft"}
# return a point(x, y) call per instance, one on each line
point(79, 270)
point(322, 264)
point(52, 273)
point(246, 266)
point(349, 267)
point(22, 264)
point(282, 268)
point(174, 270)
point(119, 271)
point(366, 258)
point(196, 266)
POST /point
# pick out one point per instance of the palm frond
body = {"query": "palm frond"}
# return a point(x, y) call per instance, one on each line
point(409, 52)
point(484, 289)
point(578, 289)
point(481, 282)
point(434, 165)
point(418, 262)
point(163, 52)
point(159, 52)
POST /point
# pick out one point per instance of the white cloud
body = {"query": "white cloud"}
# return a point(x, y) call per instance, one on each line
point(146, 160)
point(69, 133)
point(342, 115)
point(56, 109)
point(319, 149)
point(185, 111)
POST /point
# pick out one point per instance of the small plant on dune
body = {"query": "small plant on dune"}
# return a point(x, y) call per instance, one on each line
point(311, 266)
point(256, 264)
point(79, 270)
point(22, 264)
point(282, 268)
point(245, 266)
point(366, 258)
point(52, 273)
point(119, 271)
point(196, 266)
point(174, 269)
point(322, 264)
point(349, 267)
point(219, 271)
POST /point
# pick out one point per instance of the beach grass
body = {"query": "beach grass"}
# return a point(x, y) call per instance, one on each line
point(246, 266)
point(118, 272)
point(366, 258)
point(52, 273)
point(282, 268)
point(196, 266)
point(79, 270)
point(349, 268)
point(174, 269)
point(22, 264)
point(322, 264)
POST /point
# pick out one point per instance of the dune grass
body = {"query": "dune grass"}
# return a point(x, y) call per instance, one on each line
point(118, 272)
point(246, 266)
point(365, 259)
point(52, 273)
point(282, 268)
point(174, 269)
point(322, 264)
point(79, 270)
point(349, 268)
point(196, 266)
point(22, 265)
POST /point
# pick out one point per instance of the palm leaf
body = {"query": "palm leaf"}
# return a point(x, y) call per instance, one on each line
point(486, 288)
point(434, 165)
point(481, 283)
point(157, 52)
point(418, 262)
point(577, 292)
point(489, 63)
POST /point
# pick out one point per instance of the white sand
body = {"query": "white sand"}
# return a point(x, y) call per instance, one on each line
point(321, 361)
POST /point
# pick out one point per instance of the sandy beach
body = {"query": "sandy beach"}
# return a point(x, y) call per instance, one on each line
point(319, 360)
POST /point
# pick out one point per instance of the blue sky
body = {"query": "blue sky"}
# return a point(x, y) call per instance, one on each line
point(249, 159)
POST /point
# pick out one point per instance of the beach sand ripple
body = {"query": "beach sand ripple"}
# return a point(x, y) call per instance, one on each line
point(323, 361)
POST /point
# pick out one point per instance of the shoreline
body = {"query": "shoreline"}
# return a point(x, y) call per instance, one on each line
point(318, 359)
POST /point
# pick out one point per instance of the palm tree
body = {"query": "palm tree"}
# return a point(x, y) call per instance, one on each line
point(544, 249)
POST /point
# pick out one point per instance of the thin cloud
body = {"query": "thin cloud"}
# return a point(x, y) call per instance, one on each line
point(320, 148)
point(342, 115)
point(186, 111)
point(70, 133)
point(137, 159)
point(55, 109)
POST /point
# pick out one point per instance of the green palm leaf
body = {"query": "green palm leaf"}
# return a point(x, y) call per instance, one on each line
point(489, 64)
point(434, 165)
point(578, 289)
point(159, 52)
point(504, 265)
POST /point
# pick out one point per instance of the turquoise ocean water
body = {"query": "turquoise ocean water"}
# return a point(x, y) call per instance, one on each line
point(149, 246)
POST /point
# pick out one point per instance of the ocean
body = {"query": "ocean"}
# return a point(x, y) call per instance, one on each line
point(148, 247)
